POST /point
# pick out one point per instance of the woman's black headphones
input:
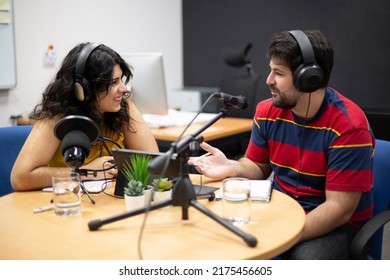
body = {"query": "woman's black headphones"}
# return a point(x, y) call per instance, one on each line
point(82, 89)
point(308, 76)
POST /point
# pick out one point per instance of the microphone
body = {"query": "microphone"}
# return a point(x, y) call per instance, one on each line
point(237, 102)
point(76, 133)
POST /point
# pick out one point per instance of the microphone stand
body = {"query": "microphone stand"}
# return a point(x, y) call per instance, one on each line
point(82, 172)
point(183, 193)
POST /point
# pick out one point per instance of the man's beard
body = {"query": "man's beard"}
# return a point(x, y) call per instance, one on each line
point(282, 101)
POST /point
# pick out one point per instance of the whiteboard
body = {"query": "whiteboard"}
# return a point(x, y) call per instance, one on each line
point(7, 46)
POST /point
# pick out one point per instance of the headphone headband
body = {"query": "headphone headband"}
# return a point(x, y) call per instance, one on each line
point(308, 76)
point(82, 89)
point(304, 45)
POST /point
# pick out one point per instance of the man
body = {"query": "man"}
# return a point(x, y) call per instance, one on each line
point(317, 142)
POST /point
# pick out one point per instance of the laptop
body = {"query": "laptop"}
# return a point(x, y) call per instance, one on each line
point(172, 172)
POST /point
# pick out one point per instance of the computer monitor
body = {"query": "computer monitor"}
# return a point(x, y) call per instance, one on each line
point(148, 82)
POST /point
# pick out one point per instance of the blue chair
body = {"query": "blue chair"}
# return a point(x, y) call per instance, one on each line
point(367, 244)
point(12, 139)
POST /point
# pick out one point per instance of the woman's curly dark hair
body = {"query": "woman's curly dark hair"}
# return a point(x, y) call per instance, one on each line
point(59, 98)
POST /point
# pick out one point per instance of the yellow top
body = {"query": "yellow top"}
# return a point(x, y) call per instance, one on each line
point(97, 149)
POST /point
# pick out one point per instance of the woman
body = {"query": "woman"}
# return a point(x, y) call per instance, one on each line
point(91, 82)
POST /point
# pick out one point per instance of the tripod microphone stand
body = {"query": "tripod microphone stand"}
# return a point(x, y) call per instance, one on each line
point(82, 172)
point(183, 193)
point(76, 133)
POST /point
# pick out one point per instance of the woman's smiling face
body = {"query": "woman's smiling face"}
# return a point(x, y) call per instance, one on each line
point(111, 101)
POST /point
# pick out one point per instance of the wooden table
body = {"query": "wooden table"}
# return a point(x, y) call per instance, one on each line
point(24, 235)
point(222, 128)
point(230, 135)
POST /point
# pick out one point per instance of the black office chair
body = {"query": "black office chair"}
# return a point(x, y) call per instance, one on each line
point(367, 244)
point(247, 85)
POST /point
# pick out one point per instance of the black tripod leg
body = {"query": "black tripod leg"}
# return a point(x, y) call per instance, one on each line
point(87, 193)
point(96, 224)
point(249, 239)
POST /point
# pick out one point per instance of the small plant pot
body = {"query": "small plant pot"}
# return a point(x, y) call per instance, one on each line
point(161, 196)
point(134, 202)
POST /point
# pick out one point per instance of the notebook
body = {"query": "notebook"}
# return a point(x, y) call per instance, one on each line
point(173, 170)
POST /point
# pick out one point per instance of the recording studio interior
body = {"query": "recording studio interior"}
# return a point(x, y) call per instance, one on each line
point(188, 52)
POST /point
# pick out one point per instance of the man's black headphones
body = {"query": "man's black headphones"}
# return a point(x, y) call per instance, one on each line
point(308, 76)
point(82, 88)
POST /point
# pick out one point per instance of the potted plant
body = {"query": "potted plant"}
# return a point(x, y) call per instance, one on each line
point(134, 195)
point(162, 189)
point(136, 169)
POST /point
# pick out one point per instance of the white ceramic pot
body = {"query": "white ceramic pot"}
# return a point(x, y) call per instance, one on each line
point(161, 196)
point(134, 202)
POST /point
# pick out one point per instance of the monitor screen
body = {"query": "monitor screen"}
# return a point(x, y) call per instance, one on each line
point(148, 82)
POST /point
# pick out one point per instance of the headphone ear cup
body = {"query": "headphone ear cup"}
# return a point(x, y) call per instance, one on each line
point(78, 92)
point(308, 78)
point(82, 90)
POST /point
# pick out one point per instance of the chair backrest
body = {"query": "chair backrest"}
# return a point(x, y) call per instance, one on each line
point(381, 191)
point(12, 139)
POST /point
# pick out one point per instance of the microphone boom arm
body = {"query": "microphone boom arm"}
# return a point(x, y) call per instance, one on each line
point(182, 144)
point(178, 147)
point(183, 193)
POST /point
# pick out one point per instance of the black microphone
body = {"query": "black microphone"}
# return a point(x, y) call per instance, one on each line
point(76, 133)
point(75, 147)
point(237, 102)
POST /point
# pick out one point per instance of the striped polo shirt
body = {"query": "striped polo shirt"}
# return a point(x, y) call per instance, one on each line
point(331, 151)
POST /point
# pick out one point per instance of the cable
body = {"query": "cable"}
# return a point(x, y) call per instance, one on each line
point(84, 172)
point(197, 114)
point(166, 164)
point(104, 139)
point(300, 147)
point(162, 174)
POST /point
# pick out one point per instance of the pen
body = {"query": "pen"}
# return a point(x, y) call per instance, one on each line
point(43, 209)
point(205, 155)
point(198, 159)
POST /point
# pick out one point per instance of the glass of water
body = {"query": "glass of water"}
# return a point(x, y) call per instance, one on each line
point(236, 200)
point(66, 193)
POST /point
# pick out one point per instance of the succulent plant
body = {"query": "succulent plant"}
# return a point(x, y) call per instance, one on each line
point(162, 184)
point(133, 188)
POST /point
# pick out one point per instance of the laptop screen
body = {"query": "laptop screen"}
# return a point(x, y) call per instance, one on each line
point(121, 155)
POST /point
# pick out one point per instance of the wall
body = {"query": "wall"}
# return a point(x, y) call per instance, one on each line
point(358, 31)
point(124, 25)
